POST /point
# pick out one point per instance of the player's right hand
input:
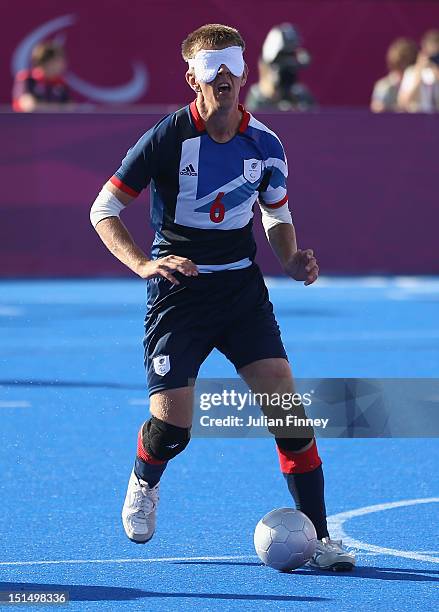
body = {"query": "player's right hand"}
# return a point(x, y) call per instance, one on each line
point(165, 266)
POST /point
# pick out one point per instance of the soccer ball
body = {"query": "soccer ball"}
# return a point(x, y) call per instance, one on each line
point(285, 539)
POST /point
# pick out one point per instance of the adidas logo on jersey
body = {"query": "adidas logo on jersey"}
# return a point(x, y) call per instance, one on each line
point(189, 171)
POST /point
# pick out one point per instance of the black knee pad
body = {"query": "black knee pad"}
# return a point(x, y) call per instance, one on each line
point(292, 444)
point(164, 441)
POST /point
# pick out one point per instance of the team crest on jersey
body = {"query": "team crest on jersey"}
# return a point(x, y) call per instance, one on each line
point(161, 364)
point(252, 169)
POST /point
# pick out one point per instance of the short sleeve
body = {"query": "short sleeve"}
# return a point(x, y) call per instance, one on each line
point(138, 166)
point(380, 91)
point(273, 188)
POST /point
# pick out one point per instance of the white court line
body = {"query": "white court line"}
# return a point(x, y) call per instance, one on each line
point(15, 404)
point(158, 559)
point(335, 525)
point(381, 554)
point(135, 560)
point(336, 528)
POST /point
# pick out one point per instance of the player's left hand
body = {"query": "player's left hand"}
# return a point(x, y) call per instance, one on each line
point(302, 266)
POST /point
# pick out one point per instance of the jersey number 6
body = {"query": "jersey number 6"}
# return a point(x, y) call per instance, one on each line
point(217, 210)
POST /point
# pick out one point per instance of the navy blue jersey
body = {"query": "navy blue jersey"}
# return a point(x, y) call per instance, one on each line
point(203, 192)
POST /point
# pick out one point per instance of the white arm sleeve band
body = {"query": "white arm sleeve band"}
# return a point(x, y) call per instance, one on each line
point(273, 217)
point(106, 205)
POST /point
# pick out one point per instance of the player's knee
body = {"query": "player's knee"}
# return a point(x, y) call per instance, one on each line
point(292, 428)
point(164, 441)
point(273, 369)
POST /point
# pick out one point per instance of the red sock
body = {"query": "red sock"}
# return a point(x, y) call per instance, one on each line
point(299, 463)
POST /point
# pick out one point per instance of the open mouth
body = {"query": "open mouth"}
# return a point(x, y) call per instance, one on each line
point(224, 87)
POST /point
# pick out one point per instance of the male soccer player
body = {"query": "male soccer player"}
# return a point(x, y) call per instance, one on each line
point(208, 164)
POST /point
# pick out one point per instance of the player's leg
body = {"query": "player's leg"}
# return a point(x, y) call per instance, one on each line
point(165, 435)
point(297, 450)
point(160, 439)
point(299, 460)
point(253, 344)
point(175, 346)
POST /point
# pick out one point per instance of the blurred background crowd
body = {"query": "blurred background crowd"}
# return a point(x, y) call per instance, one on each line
point(410, 85)
point(351, 86)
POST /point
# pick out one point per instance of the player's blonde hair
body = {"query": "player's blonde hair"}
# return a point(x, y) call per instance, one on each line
point(211, 36)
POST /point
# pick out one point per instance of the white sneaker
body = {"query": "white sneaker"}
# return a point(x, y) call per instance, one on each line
point(139, 509)
point(330, 555)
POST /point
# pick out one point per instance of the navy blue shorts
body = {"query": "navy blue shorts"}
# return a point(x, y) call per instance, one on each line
point(228, 310)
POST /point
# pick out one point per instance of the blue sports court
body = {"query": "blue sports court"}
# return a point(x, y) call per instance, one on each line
point(72, 396)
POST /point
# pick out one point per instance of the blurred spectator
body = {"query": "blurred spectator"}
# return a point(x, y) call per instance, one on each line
point(43, 86)
point(419, 90)
point(279, 66)
point(401, 54)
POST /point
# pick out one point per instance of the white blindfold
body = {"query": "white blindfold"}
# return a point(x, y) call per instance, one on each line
point(207, 62)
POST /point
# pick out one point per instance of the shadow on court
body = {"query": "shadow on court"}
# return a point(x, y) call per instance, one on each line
point(250, 563)
point(375, 573)
point(82, 592)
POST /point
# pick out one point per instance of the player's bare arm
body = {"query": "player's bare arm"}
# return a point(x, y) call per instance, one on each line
point(120, 243)
point(298, 264)
point(281, 235)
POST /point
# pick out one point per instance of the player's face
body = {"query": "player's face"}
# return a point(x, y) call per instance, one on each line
point(223, 91)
